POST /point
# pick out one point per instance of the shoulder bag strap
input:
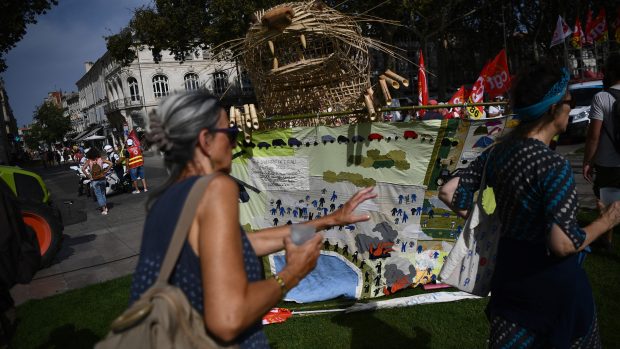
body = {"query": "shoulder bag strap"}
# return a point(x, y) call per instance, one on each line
point(182, 228)
point(483, 181)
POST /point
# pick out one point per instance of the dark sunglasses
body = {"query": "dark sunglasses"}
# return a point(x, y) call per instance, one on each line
point(232, 133)
point(571, 102)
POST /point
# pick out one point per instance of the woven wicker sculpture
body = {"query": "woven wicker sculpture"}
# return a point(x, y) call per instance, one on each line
point(305, 57)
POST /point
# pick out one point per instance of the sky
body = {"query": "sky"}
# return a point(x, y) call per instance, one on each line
point(51, 55)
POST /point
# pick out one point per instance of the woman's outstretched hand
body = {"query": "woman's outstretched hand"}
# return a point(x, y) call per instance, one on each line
point(345, 215)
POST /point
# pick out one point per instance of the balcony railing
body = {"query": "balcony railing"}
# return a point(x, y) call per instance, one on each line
point(123, 104)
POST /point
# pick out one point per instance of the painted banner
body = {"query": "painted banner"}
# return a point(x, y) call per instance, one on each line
point(302, 173)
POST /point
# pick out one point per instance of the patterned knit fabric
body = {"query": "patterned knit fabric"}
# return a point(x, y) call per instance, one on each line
point(158, 228)
point(509, 335)
point(534, 187)
point(533, 289)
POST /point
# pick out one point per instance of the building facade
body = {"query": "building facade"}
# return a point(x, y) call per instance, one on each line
point(118, 98)
point(8, 128)
point(71, 109)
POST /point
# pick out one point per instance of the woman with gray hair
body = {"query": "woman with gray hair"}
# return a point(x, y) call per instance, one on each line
point(218, 269)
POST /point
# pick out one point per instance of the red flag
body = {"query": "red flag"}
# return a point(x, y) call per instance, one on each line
point(598, 30)
point(578, 38)
point(477, 92)
point(134, 137)
point(562, 31)
point(617, 26)
point(588, 37)
point(457, 98)
point(422, 85)
point(498, 79)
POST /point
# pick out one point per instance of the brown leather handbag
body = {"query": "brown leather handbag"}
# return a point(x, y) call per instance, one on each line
point(163, 317)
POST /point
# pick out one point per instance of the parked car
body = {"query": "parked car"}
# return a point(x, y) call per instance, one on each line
point(375, 137)
point(38, 211)
point(578, 120)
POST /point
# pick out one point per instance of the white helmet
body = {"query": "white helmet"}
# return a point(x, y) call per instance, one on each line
point(86, 150)
point(108, 148)
point(130, 142)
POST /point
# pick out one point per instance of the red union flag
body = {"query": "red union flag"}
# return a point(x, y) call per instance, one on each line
point(598, 29)
point(457, 98)
point(477, 92)
point(498, 76)
point(134, 137)
point(562, 31)
point(578, 38)
point(617, 27)
point(588, 37)
point(422, 85)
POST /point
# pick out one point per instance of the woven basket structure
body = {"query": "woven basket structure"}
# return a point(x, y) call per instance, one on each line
point(315, 62)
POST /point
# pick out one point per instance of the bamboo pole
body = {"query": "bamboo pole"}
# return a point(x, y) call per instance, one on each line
point(386, 92)
point(254, 116)
point(247, 117)
point(397, 77)
point(386, 109)
point(231, 117)
point(372, 114)
point(395, 85)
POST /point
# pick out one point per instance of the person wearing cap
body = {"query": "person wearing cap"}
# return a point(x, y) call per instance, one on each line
point(432, 114)
point(115, 159)
point(135, 163)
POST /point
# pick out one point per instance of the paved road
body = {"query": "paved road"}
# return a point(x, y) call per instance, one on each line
point(97, 248)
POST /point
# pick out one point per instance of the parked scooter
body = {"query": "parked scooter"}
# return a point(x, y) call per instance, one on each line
point(113, 183)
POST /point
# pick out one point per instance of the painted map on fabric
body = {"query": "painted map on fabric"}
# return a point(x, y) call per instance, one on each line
point(305, 173)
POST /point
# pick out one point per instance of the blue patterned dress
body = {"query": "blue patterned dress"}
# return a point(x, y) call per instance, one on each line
point(537, 300)
point(158, 229)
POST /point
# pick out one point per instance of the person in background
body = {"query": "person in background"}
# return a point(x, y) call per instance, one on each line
point(496, 110)
point(115, 159)
point(135, 163)
point(95, 167)
point(225, 285)
point(540, 295)
point(432, 114)
point(601, 158)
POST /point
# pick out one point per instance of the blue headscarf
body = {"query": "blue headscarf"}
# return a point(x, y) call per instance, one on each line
point(555, 94)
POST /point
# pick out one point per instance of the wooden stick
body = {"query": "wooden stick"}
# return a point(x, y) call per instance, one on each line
point(395, 85)
point(302, 37)
point(395, 76)
point(275, 63)
point(370, 92)
point(386, 92)
point(271, 47)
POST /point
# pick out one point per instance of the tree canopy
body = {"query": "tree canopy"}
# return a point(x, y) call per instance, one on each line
point(464, 33)
point(50, 124)
point(14, 18)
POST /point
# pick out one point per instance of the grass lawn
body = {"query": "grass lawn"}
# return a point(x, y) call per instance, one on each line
point(77, 319)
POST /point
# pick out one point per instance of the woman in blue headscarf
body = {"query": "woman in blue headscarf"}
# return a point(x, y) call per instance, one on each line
point(540, 295)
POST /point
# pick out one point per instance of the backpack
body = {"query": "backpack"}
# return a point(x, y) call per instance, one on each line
point(96, 171)
point(614, 120)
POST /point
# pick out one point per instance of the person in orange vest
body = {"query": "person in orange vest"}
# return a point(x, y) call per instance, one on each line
point(135, 163)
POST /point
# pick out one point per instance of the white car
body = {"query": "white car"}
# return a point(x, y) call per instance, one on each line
point(582, 93)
